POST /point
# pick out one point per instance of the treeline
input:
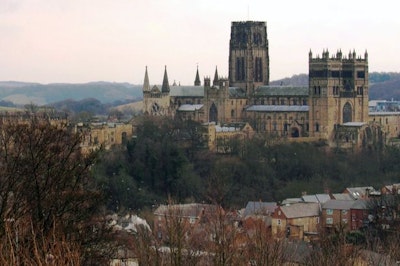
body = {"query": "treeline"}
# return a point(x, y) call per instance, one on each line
point(167, 161)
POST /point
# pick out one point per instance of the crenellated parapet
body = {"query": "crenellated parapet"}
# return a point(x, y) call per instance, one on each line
point(338, 56)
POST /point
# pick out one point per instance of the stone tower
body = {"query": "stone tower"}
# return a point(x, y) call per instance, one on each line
point(248, 55)
point(338, 92)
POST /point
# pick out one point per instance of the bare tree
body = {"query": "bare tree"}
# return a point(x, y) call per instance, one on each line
point(45, 180)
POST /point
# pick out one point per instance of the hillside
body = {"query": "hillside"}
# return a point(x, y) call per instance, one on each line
point(21, 93)
point(383, 85)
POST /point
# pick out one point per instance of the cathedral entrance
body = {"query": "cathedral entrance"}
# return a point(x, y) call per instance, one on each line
point(294, 132)
point(347, 113)
point(213, 116)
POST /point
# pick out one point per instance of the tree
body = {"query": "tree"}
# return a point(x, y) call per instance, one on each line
point(45, 183)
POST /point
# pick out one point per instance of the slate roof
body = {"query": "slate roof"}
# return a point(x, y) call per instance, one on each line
point(358, 192)
point(236, 92)
point(259, 208)
point(345, 204)
point(186, 91)
point(299, 210)
point(230, 127)
point(318, 198)
point(190, 107)
point(354, 124)
point(342, 196)
point(384, 113)
point(281, 91)
point(278, 108)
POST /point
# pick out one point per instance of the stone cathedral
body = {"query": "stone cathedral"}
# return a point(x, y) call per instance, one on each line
point(333, 107)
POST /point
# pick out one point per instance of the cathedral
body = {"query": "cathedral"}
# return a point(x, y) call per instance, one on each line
point(333, 107)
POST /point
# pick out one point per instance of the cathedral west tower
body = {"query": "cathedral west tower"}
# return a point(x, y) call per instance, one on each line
point(248, 55)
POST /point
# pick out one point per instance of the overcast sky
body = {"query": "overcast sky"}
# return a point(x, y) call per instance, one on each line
point(114, 40)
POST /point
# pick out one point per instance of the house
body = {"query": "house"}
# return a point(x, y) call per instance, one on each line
point(228, 137)
point(342, 196)
point(187, 216)
point(124, 257)
point(391, 189)
point(346, 214)
point(296, 221)
point(260, 208)
point(317, 198)
point(359, 192)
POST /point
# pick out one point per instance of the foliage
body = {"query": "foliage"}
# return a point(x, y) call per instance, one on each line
point(167, 159)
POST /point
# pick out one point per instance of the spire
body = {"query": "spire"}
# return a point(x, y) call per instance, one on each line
point(165, 84)
point(215, 81)
point(197, 80)
point(146, 83)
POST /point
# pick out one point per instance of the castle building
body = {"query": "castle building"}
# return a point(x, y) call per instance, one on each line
point(334, 106)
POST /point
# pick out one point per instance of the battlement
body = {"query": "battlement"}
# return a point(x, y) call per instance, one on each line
point(248, 23)
point(352, 56)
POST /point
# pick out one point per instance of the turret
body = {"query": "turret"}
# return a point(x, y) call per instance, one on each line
point(146, 83)
point(165, 84)
point(197, 80)
point(215, 81)
point(207, 82)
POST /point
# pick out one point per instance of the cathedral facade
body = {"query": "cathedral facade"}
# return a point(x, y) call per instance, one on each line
point(333, 107)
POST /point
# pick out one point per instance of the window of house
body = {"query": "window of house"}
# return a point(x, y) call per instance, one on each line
point(329, 211)
point(344, 212)
point(317, 218)
point(282, 102)
point(329, 220)
point(279, 222)
point(344, 220)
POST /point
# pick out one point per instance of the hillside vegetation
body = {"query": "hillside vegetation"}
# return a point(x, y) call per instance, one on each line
point(166, 160)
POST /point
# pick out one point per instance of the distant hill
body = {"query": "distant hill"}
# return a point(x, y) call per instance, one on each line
point(295, 80)
point(21, 93)
point(383, 85)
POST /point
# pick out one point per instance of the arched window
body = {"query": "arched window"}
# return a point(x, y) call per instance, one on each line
point(347, 113)
point(316, 127)
point(213, 117)
point(232, 113)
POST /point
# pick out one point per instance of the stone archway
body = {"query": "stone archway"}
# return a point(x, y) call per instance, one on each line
point(213, 116)
point(347, 113)
point(294, 132)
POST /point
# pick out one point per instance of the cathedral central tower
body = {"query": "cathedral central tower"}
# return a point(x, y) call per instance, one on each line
point(248, 55)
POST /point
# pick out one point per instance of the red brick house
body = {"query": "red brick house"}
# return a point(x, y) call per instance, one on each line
point(346, 214)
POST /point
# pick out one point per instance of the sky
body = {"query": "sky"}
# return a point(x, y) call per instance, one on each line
point(77, 41)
